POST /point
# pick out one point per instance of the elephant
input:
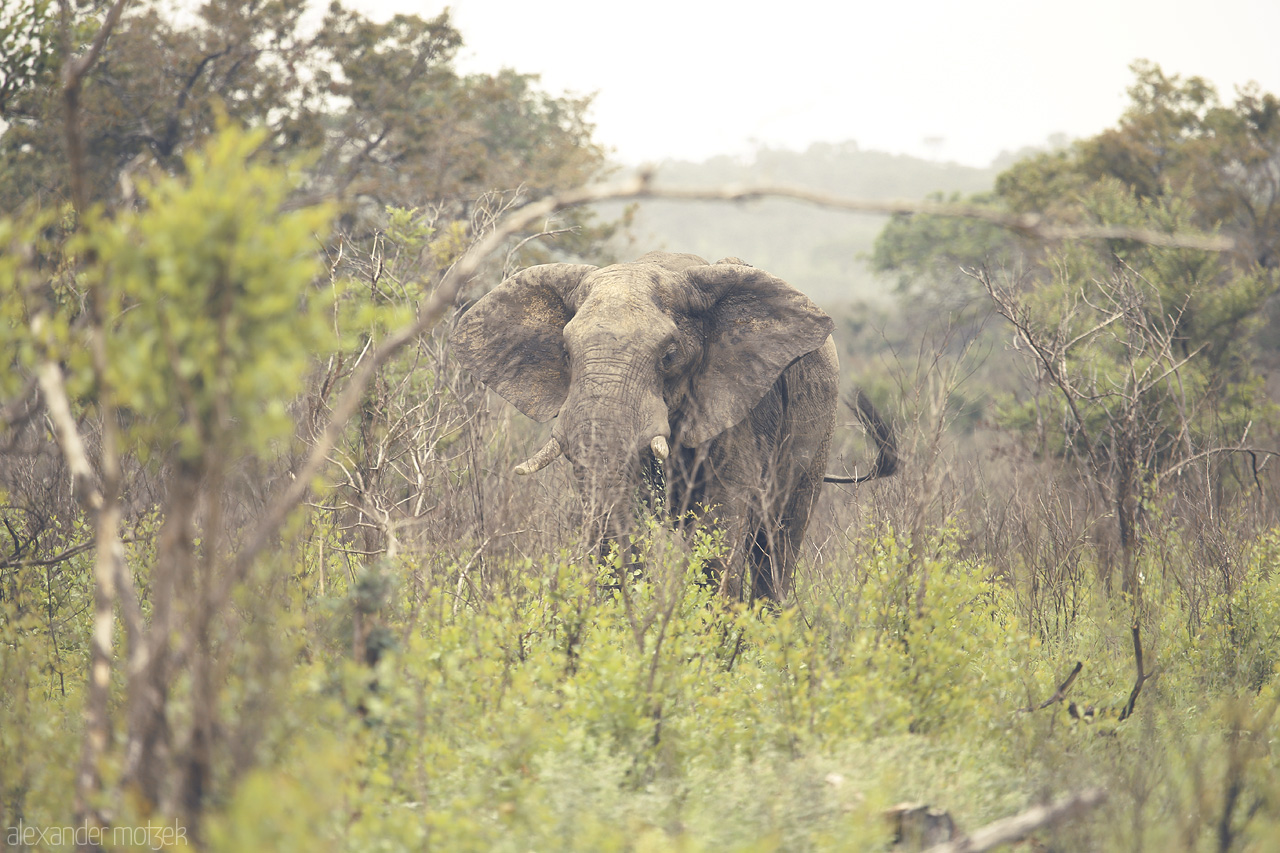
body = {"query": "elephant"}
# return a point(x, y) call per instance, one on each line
point(715, 385)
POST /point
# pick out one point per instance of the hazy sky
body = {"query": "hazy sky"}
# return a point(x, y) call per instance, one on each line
point(939, 78)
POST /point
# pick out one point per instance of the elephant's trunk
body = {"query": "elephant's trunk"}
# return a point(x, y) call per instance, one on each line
point(612, 426)
point(607, 463)
point(605, 459)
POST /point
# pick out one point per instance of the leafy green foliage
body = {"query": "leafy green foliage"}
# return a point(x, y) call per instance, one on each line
point(1182, 309)
point(1140, 358)
point(562, 710)
point(216, 282)
point(394, 671)
point(26, 47)
point(380, 109)
point(210, 324)
point(211, 276)
point(1237, 643)
point(566, 712)
point(24, 245)
point(916, 245)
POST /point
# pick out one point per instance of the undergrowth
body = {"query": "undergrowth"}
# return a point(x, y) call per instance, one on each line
point(565, 709)
point(568, 705)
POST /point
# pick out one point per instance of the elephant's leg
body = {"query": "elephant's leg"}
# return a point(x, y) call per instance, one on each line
point(699, 499)
point(778, 541)
point(727, 570)
point(755, 518)
point(772, 558)
point(798, 464)
point(767, 559)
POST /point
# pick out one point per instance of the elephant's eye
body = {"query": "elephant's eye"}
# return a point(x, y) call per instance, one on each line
point(669, 357)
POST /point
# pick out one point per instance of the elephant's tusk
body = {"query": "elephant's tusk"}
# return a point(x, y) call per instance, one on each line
point(659, 448)
point(542, 458)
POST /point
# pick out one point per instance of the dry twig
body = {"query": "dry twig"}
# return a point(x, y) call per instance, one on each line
point(100, 502)
point(1018, 827)
point(1059, 694)
point(1032, 225)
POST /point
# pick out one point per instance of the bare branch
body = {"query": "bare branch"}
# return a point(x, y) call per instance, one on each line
point(1059, 694)
point(546, 232)
point(75, 69)
point(1018, 827)
point(73, 73)
point(1032, 225)
point(102, 504)
point(1102, 324)
point(1213, 451)
point(60, 557)
point(1145, 382)
point(1017, 314)
point(1140, 677)
point(54, 390)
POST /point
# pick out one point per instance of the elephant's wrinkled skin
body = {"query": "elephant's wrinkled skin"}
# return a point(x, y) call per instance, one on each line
point(721, 374)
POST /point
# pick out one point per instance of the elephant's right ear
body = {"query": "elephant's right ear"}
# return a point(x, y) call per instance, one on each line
point(512, 338)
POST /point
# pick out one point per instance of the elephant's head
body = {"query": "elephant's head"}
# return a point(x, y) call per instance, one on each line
point(635, 358)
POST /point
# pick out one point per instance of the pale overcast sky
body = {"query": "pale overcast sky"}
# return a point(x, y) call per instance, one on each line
point(946, 79)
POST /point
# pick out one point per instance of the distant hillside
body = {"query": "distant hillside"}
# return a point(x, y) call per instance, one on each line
point(818, 251)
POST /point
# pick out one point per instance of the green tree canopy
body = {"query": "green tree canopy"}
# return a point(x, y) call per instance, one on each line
point(1176, 145)
point(385, 117)
point(1178, 160)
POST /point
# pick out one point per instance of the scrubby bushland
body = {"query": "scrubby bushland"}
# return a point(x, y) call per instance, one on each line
point(422, 654)
point(409, 664)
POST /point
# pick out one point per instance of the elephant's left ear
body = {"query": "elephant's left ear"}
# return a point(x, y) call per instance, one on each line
point(756, 326)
